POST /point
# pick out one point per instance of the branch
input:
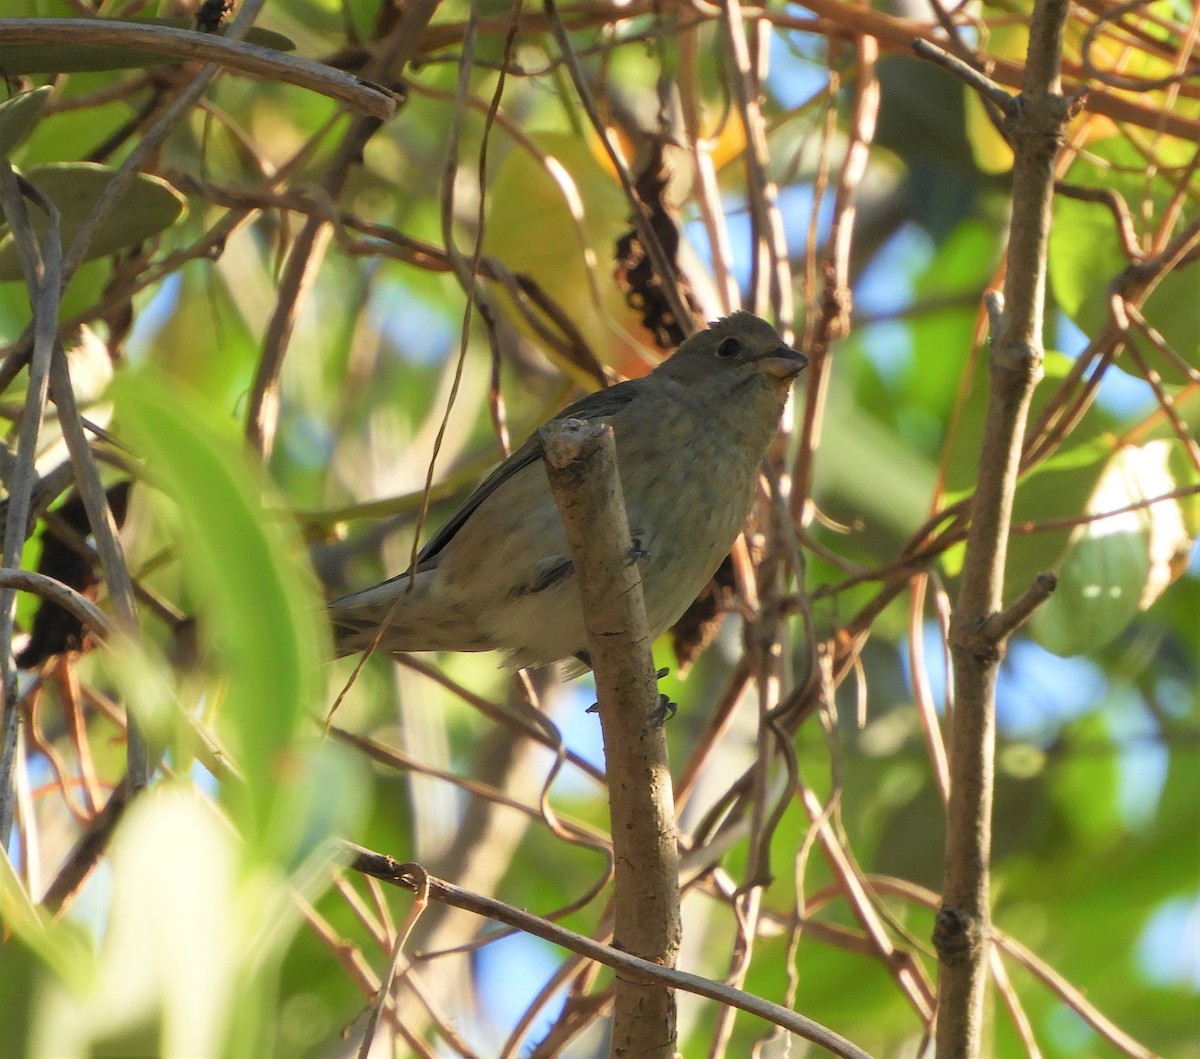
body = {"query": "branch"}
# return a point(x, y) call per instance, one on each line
point(1035, 123)
point(581, 462)
point(234, 55)
point(982, 84)
point(1001, 626)
point(634, 969)
point(42, 269)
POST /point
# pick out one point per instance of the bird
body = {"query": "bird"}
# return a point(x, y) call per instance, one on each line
point(497, 576)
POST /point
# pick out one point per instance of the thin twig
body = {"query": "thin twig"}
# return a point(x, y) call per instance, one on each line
point(106, 535)
point(411, 876)
point(982, 84)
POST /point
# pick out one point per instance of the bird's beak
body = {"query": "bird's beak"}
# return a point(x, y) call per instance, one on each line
point(784, 362)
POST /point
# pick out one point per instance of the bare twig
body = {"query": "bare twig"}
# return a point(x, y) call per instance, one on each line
point(982, 84)
point(770, 271)
point(840, 19)
point(108, 542)
point(1000, 626)
point(633, 968)
point(1124, 81)
point(60, 595)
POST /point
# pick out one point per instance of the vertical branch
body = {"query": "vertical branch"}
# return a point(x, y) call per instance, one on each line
point(42, 271)
point(108, 542)
point(1035, 122)
point(581, 462)
point(704, 173)
point(832, 314)
point(770, 275)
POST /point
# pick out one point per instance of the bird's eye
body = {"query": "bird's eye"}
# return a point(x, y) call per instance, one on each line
point(729, 348)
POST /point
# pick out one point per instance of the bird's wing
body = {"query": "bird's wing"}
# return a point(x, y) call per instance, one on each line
point(600, 405)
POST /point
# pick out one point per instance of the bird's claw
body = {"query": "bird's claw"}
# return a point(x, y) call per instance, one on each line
point(663, 712)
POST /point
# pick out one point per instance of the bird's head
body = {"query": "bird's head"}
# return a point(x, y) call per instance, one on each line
point(737, 347)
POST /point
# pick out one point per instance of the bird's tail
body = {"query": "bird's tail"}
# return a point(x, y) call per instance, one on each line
point(403, 615)
point(386, 617)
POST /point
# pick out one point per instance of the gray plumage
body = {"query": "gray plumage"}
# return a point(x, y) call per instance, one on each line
point(497, 576)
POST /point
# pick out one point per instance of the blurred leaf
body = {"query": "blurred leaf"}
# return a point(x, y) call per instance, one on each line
point(259, 606)
point(921, 120)
point(203, 343)
point(18, 115)
point(1084, 784)
point(60, 946)
point(21, 982)
point(171, 944)
point(1117, 566)
point(856, 447)
point(75, 57)
point(146, 207)
point(990, 149)
point(963, 263)
point(1056, 489)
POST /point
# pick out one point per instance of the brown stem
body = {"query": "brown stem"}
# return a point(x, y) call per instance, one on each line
point(581, 462)
point(962, 933)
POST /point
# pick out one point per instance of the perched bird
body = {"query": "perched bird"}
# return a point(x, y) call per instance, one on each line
point(498, 575)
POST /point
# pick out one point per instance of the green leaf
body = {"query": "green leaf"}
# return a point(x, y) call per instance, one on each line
point(1118, 566)
point(963, 263)
point(59, 945)
point(990, 149)
point(259, 607)
point(1057, 488)
point(18, 115)
point(894, 503)
point(74, 57)
point(548, 215)
point(1086, 256)
point(146, 207)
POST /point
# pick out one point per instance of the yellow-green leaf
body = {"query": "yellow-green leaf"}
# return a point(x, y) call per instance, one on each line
point(18, 115)
point(146, 207)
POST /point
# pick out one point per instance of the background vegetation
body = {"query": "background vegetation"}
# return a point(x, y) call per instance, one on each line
point(301, 330)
